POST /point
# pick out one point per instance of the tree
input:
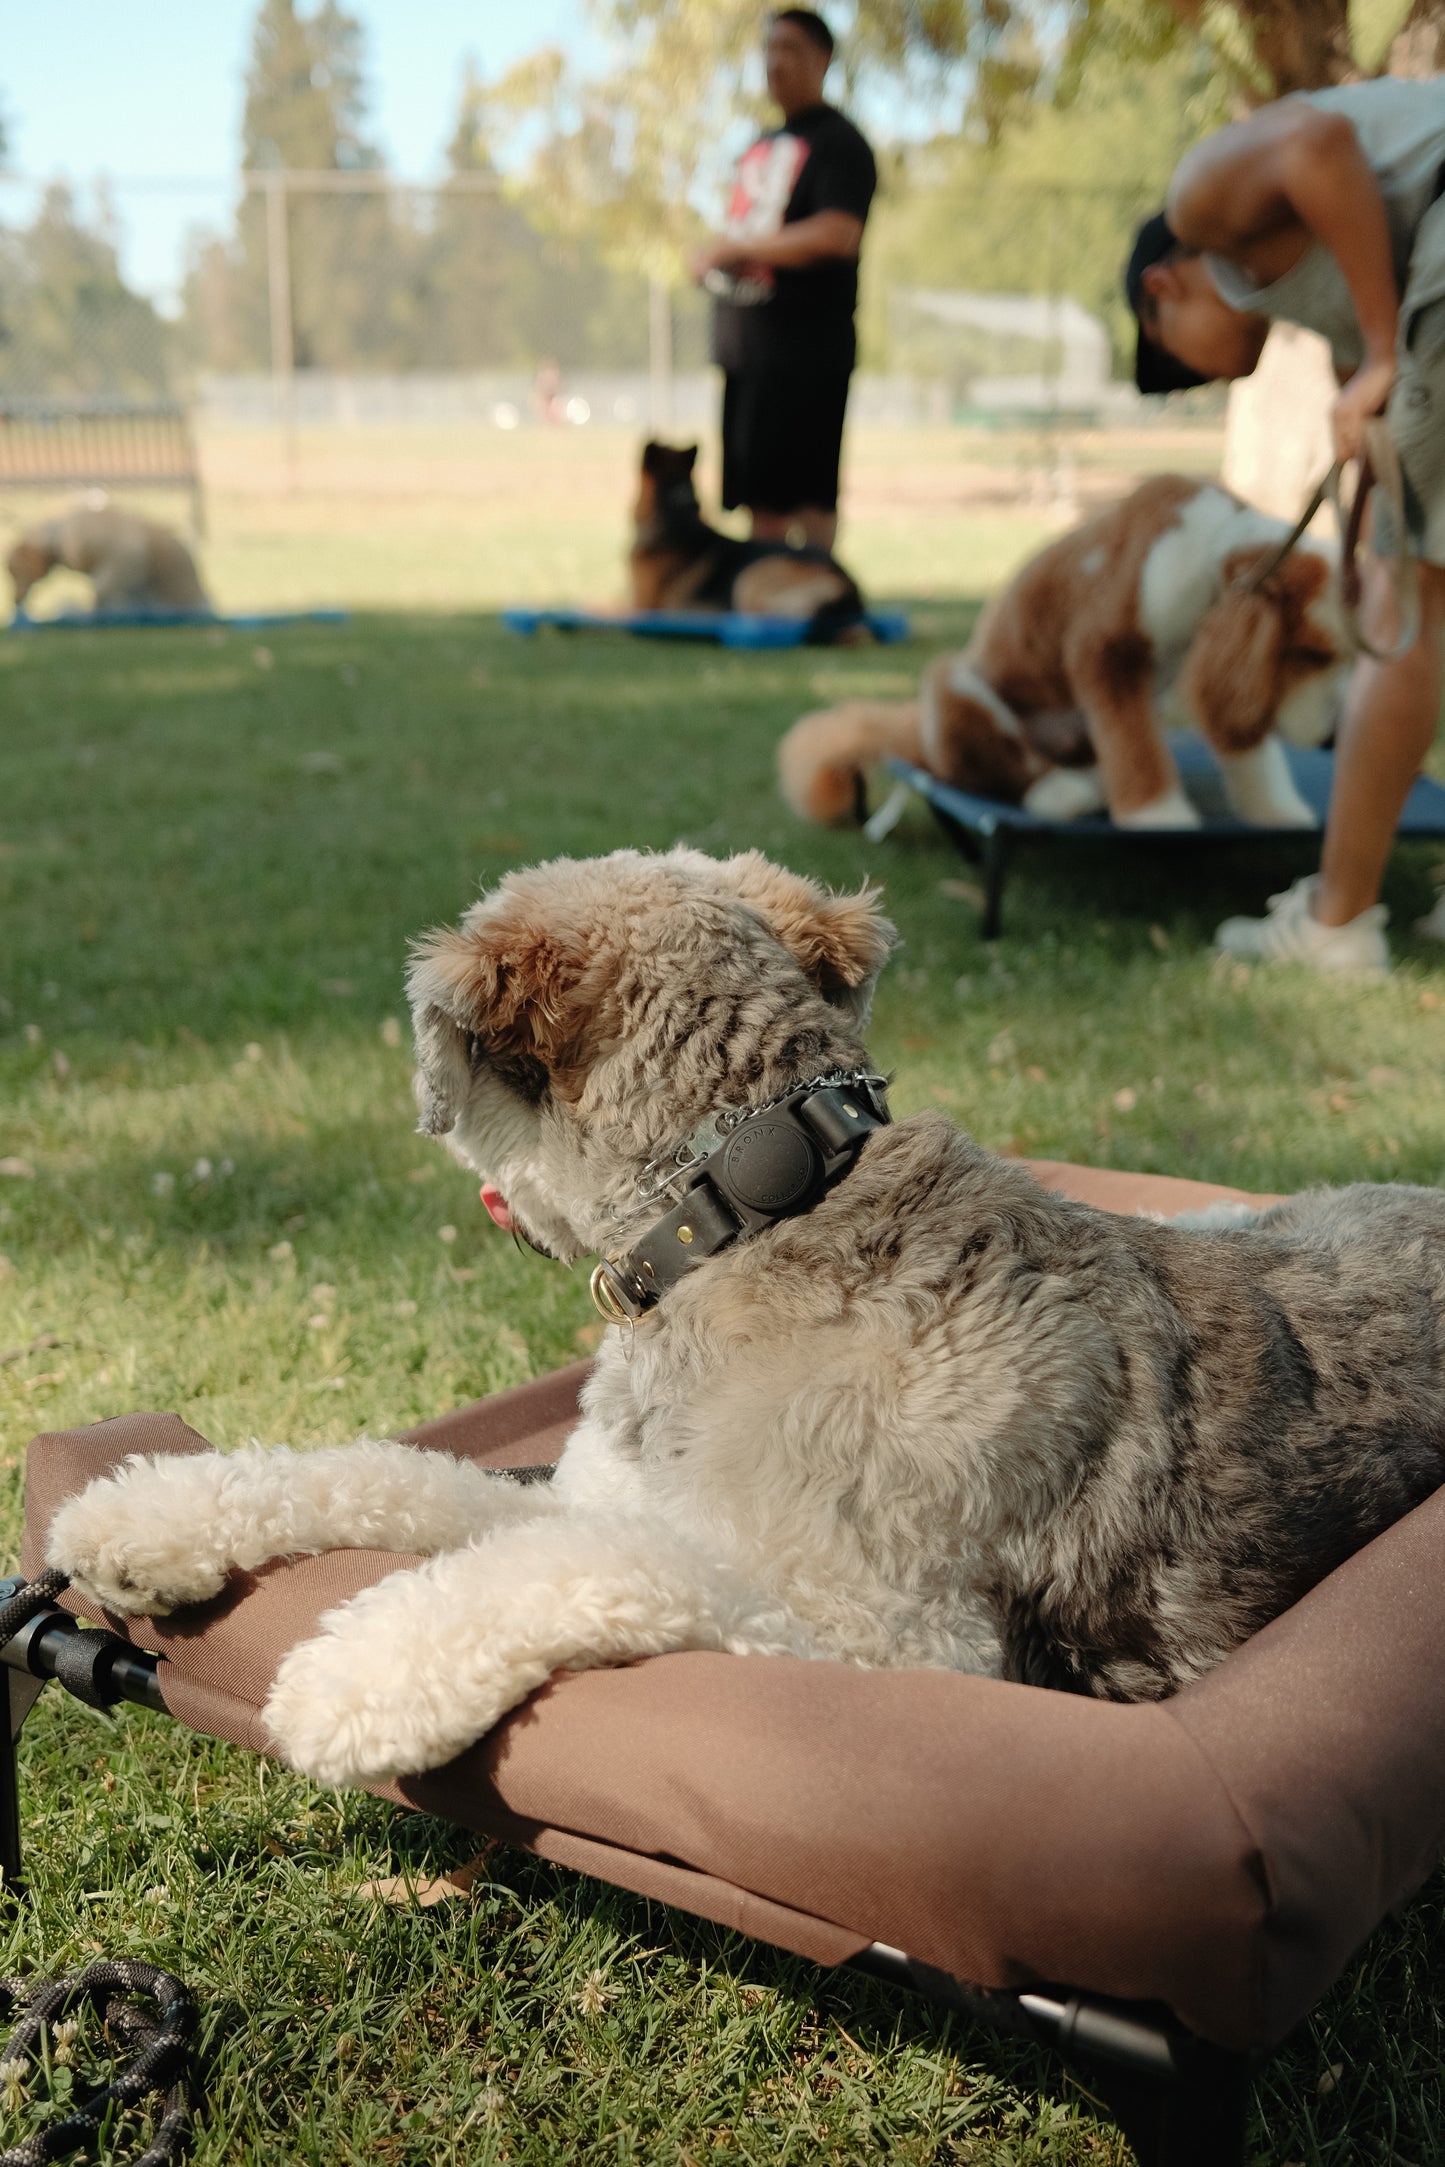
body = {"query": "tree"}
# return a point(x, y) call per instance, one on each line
point(631, 154)
point(71, 323)
point(1041, 210)
point(306, 105)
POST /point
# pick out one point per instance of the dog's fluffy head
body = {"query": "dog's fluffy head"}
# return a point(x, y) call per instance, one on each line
point(589, 1013)
point(1274, 659)
point(28, 562)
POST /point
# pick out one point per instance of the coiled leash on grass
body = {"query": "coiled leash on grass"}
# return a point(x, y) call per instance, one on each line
point(160, 2044)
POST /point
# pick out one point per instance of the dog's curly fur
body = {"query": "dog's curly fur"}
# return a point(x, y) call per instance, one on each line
point(943, 1418)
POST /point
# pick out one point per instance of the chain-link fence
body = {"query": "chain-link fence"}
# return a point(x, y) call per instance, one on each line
point(294, 302)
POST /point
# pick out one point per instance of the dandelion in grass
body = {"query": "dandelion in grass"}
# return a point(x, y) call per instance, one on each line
point(162, 1184)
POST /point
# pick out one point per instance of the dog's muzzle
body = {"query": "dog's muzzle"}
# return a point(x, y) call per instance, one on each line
point(773, 1165)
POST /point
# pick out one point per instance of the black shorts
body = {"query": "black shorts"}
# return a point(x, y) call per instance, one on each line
point(782, 435)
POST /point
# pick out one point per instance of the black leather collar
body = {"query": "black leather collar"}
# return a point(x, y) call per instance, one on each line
point(772, 1165)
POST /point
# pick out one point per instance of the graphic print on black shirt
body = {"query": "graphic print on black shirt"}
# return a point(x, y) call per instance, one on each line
point(803, 319)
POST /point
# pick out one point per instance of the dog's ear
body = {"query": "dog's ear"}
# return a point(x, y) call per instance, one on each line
point(1312, 627)
point(1231, 672)
point(688, 456)
point(653, 455)
point(505, 985)
point(841, 941)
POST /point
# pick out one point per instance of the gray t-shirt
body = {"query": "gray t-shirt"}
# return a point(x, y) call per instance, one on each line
point(1401, 129)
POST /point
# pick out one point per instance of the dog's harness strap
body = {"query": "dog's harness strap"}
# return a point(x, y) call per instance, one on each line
point(772, 1165)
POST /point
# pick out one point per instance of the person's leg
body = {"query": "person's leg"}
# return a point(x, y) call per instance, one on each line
point(1389, 726)
point(818, 528)
point(1334, 920)
point(796, 434)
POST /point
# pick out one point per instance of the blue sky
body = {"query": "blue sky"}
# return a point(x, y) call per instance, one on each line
point(154, 89)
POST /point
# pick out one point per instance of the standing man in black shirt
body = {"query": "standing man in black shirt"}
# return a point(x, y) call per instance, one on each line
point(785, 277)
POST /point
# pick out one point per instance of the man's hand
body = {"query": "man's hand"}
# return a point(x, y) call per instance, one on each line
point(715, 256)
point(1363, 397)
point(808, 240)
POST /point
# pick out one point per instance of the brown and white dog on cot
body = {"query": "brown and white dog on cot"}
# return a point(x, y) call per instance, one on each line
point(678, 561)
point(131, 563)
point(1056, 702)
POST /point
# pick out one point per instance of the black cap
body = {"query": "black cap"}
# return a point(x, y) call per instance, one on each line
point(1154, 369)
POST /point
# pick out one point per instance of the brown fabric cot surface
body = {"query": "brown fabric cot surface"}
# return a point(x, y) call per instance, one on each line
point(1223, 1852)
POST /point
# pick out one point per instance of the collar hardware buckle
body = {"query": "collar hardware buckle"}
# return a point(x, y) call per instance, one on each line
point(771, 1163)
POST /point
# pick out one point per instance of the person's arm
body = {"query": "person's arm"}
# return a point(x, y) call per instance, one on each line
point(1293, 165)
point(809, 240)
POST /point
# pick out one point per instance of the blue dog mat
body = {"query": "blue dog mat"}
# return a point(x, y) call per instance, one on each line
point(154, 619)
point(985, 829)
point(727, 628)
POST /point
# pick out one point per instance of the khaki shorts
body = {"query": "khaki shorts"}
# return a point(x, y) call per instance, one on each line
point(1416, 414)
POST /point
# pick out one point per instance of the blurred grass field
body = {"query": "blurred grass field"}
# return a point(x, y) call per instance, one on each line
point(214, 847)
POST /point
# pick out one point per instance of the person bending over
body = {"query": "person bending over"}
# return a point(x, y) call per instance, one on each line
point(784, 274)
point(1328, 210)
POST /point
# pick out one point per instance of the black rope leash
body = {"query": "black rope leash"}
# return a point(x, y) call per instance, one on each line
point(159, 2065)
point(159, 2043)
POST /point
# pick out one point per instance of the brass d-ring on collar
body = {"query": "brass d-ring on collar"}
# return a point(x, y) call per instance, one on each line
point(604, 1298)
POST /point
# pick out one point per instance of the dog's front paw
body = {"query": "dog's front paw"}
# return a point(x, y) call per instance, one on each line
point(382, 1691)
point(128, 1552)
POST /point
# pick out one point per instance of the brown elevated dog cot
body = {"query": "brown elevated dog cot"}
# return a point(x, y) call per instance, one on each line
point(1160, 1892)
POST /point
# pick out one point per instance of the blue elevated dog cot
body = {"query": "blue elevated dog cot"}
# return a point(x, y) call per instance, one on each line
point(986, 830)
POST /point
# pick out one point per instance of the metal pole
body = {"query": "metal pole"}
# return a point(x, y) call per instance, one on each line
point(283, 345)
point(659, 353)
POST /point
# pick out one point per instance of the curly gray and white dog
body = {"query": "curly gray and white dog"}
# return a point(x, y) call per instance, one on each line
point(940, 1417)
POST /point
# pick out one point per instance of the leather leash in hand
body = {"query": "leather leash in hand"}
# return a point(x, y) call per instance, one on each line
point(1379, 466)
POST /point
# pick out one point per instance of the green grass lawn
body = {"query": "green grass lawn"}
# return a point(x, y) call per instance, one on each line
point(212, 854)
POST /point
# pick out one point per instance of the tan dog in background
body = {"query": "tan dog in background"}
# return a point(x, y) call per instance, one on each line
point(131, 563)
point(1055, 704)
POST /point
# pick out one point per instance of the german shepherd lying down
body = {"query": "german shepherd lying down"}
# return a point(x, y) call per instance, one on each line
point(678, 561)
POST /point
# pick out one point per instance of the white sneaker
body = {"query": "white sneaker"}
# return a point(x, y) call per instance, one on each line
point(1432, 925)
point(1289, 934)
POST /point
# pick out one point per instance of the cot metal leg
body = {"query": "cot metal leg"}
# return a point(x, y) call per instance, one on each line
point(963, 839)
point(21, 1694)
point(98, 1667)
point(1179, 2101)
point(1197, 2123)
point(996, 851)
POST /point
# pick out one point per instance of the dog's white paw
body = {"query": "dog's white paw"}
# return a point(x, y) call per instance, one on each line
point(1261, 790)
point(1065, 794)
point(128, 1552)
point(362, 1703)
point(1173, 810)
